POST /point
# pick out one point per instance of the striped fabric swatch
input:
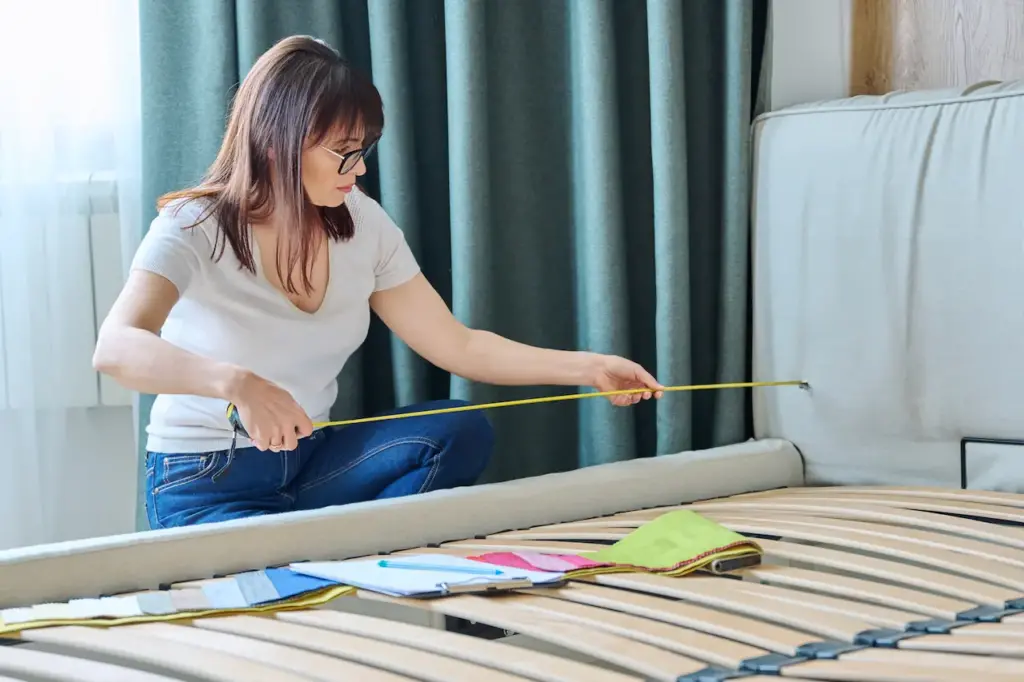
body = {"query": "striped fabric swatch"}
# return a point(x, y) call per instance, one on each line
point(253, 590)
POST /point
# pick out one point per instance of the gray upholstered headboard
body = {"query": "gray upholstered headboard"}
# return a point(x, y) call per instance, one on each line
point(889, 272)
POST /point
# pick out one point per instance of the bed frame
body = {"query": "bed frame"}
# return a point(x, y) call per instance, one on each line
point(881, 563)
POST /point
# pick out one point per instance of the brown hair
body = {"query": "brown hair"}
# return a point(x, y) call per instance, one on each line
point(297, 92)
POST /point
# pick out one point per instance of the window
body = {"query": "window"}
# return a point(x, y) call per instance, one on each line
point(69, 167)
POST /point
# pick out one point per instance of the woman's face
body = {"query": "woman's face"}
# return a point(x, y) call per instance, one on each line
point(326, 182)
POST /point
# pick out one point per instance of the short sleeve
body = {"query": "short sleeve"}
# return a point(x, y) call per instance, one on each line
point(172, 249)
point(394, 262)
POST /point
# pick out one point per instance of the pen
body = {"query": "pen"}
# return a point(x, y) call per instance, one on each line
point(429, 567)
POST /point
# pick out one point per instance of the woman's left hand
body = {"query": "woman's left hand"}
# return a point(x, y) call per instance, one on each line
point(617, 374)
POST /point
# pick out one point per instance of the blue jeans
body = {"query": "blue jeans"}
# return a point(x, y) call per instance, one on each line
point(333, 466)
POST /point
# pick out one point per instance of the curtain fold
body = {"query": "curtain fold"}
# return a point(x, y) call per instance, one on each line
point(570, 173)
point(671, 201)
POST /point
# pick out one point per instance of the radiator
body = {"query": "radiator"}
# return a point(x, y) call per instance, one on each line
point(83, 278)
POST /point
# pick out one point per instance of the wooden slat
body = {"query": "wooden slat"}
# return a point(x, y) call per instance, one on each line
point(310, 664)
point(716, 594)
point(774, 638)
point(175, 657)
point(34, 665)
point(1004, 554)
point(927, 492)
point(897, 517)
point(879, 616)
point(686, 641)
point(517, 660)
point(960, 587)
point(921, 543)
point(743, 629)
point(639, 657)
point(502, 612)
point(992, 512)
point(725, 653)
point(376, 653)
point(870, 591)
point(719, 594)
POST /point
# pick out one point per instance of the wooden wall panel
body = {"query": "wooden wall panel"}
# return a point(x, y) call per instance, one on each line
point(921, 44)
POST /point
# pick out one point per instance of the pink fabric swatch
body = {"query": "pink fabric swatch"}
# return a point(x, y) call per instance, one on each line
point(537, 561)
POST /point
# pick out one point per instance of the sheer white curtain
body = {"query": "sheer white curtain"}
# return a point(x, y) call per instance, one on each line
point(69, 222)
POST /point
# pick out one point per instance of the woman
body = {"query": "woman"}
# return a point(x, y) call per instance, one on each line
point(256, 286)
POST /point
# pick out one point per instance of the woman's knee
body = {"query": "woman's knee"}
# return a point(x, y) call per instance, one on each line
point(469, 438)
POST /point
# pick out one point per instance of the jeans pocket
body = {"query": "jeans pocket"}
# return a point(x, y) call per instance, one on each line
point(172, 471)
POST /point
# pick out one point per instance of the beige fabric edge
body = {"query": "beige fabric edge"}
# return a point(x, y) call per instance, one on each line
point(139, 561)
point(981, 91)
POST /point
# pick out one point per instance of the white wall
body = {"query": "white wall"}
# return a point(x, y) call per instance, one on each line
point(810, 51)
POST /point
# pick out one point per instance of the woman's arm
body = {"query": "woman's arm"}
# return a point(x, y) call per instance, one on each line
point(420, 317)
point(130, 350)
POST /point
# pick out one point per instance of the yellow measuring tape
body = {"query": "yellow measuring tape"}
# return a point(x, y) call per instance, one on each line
point(236, 421)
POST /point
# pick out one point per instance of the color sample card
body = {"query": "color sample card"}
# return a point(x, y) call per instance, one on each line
point(232, 593)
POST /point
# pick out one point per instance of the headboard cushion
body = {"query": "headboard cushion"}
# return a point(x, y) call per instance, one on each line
point(888, 257)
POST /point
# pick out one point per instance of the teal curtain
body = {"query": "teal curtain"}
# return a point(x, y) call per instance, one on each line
point(570, 173)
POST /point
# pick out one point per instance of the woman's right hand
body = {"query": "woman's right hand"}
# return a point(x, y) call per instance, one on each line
point(269, 413)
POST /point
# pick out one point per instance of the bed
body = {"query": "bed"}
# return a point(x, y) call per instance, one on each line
point(888, 499)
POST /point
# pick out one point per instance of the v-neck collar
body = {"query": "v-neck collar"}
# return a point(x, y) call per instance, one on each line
point(265, 281)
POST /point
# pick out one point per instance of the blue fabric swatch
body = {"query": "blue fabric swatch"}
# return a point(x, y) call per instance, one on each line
point(156, 603)
point(225, 594)
point(256, 587)
point(289, 584)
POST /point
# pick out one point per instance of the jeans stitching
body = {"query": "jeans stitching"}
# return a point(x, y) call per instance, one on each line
point(434, 466)
point(207, 469)
point(365, 456)
point(170, 460)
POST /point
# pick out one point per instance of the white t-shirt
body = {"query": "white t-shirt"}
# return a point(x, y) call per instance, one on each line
point(226, 313)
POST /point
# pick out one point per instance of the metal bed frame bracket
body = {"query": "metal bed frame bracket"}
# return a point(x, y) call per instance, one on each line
point(714, 674)
point(987, 614)
point(474, 629)
point(883, 637)
point(827, 649)
point(771, 664)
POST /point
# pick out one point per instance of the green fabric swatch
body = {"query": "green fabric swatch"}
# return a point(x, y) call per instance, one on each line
point(674, 538)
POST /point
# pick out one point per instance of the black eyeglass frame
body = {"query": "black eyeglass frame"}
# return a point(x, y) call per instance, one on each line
point(350, 159)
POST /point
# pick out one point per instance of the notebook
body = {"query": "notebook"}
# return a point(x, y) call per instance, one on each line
point(431, 575)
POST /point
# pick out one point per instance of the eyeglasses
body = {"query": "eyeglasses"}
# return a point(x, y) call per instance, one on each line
point(349, 160)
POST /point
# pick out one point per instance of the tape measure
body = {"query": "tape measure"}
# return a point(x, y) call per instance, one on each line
point(236, 421)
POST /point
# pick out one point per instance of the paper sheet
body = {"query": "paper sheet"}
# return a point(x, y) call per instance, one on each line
point(403, 582)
